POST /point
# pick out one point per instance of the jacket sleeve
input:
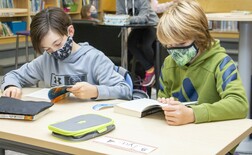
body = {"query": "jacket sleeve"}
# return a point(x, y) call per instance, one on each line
point(162, 7)
point(143, 15)
point(120, 7)
point(233, 103)
point(27, 75)
point(111, 85)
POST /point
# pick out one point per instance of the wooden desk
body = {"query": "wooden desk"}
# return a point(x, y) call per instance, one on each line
point(207, 138)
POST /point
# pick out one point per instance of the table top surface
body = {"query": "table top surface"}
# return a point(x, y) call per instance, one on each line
point(152, 130)
point(129, 25)
point(229, 17)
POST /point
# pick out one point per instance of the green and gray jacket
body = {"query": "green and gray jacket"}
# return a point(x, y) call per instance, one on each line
point(212, 80)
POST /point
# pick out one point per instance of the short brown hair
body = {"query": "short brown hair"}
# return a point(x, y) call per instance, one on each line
point(185, 20)
point(54, 19)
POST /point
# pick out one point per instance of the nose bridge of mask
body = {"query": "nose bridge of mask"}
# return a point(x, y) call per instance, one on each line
point(183, 55)
point(181, 50)
point(64, 51)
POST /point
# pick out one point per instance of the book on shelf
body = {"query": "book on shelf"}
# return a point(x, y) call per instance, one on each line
point(223, 26)
point(142, 107)
point(6, 4)
point(1, 30)
point(11, 108)
point(5, 30)
point(37, 5)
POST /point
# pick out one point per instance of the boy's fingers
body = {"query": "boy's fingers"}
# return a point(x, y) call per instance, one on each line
point(172, 99)
point(6, 93)
point(169, 107)
point(172, 102)
point(74, 87)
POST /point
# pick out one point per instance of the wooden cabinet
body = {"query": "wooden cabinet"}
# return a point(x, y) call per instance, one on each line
point(22, 12)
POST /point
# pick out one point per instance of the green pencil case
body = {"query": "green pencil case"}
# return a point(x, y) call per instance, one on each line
point(82, 127)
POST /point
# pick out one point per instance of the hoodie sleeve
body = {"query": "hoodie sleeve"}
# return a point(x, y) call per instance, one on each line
point(233, 103)
point(162, 7)
point(120, 7)
point(143, 15)
point(27, 75)
point(111, 85)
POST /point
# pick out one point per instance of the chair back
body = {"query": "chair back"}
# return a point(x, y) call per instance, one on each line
point(136, 93)
point(104, 38)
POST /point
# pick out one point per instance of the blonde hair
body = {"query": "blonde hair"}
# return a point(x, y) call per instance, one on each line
point(184, 20)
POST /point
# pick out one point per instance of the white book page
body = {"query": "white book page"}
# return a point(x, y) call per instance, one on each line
point(140, 104)
point(41, 94)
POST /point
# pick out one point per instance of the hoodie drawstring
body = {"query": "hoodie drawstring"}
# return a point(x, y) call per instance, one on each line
point(133, 7)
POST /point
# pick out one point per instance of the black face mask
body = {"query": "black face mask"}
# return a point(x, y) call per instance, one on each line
point(94, 15)
point(65, 51)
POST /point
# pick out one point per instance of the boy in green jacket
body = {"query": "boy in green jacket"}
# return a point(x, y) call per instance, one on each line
point(197, 69)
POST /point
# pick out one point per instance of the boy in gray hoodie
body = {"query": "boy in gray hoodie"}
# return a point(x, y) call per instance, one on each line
point(141, 39)
point(64, 62)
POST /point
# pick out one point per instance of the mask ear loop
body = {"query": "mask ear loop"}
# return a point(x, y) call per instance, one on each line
point(68, 30)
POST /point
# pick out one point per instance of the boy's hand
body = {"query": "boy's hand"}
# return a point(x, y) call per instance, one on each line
point(84, 90)
point(13, 91)
point(176, 113)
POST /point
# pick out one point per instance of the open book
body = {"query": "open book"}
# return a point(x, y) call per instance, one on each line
point(58, 93)
point(11, 108)
point(141, 107)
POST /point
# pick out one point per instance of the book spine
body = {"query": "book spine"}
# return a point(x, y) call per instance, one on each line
point(151, 111)
point(12, 116)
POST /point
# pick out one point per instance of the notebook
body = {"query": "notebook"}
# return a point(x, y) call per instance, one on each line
point(12, 108)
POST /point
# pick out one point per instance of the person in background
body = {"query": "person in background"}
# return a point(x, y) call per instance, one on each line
point(140, 40)
point(89, 12)
point(160, 7)
point(197, 69)
point(64, 62)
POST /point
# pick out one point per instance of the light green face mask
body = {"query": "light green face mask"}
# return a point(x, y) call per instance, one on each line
point(183, 55)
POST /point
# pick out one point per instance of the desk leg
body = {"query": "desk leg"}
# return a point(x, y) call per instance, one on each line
point(26, 49)
point(244, 64)
point(245, 56)
point(157, 69)
point(124, 48)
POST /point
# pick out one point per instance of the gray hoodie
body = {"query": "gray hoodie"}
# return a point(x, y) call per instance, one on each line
point(86, 64)
point(141, 12)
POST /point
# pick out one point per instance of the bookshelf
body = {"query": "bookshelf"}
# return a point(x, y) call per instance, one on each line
point(222, 6)
point(22, 11)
